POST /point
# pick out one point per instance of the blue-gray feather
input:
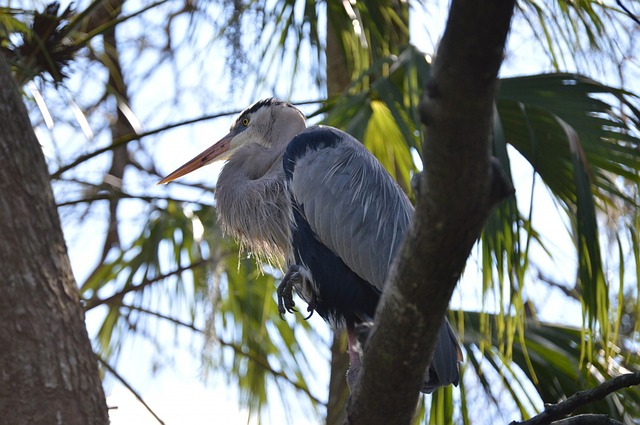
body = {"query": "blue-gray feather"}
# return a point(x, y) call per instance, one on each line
point(352, 204)
point(350, 217)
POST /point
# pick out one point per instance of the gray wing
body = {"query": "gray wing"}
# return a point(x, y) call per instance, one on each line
point(351, 203)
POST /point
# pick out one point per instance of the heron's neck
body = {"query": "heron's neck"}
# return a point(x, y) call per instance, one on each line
point(252, 203)
point(253, 162)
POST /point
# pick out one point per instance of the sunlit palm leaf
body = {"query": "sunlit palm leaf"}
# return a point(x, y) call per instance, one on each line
point(247, 339)
point(151, 273)
point(383, 113)
point(261, 346)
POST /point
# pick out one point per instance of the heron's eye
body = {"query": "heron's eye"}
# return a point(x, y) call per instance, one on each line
point(245, 122)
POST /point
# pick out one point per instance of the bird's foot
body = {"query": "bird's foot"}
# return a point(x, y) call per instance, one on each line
point(285, 291)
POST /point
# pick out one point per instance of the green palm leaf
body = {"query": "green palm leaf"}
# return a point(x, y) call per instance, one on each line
point(549, 358)
point(578, 144)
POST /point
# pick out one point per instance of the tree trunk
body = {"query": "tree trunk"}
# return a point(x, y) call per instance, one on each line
point(49, 371)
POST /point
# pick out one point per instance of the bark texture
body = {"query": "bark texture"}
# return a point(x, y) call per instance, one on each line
point(49, 373)
point(458, 189)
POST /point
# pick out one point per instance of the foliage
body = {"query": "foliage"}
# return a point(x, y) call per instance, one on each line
point(43, 47)
point(579, 136)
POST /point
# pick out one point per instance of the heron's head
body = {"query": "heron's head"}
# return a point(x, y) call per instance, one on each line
point(270, 123)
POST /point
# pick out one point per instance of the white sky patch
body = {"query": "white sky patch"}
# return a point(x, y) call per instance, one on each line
point(176, 403)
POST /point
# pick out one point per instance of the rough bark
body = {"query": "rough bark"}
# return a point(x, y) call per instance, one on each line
point(49, 372)
point(457, 191)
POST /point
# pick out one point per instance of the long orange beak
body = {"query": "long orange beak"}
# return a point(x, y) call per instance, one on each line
point(206, 157)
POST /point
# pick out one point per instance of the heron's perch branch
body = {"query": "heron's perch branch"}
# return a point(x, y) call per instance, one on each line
point(582, 398)
point(458, 189)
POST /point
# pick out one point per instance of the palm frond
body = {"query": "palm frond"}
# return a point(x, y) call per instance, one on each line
point(548, 358)
point(567, 128)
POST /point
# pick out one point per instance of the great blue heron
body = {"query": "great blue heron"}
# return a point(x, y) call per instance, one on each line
point(318, 198)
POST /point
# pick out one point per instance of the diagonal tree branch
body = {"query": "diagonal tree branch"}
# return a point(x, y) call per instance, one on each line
point(123, 140)
point(588, 419)
point(261, 361)
point(95, 302)
point(459, 187)
point(128, 386)
point(582, 398)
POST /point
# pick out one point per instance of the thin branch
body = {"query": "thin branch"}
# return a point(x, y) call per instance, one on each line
point(121, 195)
point(587, 419)
point(569, 292)
point(105, 191)
point(112, 23)
point(581, 398)
point(95, 302)
point(131, 137)
point(264, 363)
point(628, 12)
point(128, 386)
point(164, 317)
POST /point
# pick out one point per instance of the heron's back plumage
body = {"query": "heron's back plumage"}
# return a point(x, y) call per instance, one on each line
point(352, 204)
point(350, 217)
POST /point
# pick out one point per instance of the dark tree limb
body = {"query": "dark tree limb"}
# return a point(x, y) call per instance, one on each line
point(459, 187)
point(587, 419)
point(582, 398)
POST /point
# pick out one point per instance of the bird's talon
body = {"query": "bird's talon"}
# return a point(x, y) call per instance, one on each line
point(285, 291)
point(311, 308)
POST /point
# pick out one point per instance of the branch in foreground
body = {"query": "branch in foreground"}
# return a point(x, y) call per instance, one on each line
point(582, 398)
point(588, 419)
point(458, 189)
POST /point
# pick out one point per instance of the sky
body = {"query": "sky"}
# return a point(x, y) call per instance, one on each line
point(178, 392)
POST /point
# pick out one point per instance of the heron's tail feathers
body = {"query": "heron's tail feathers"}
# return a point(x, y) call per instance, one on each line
point(443, 369)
